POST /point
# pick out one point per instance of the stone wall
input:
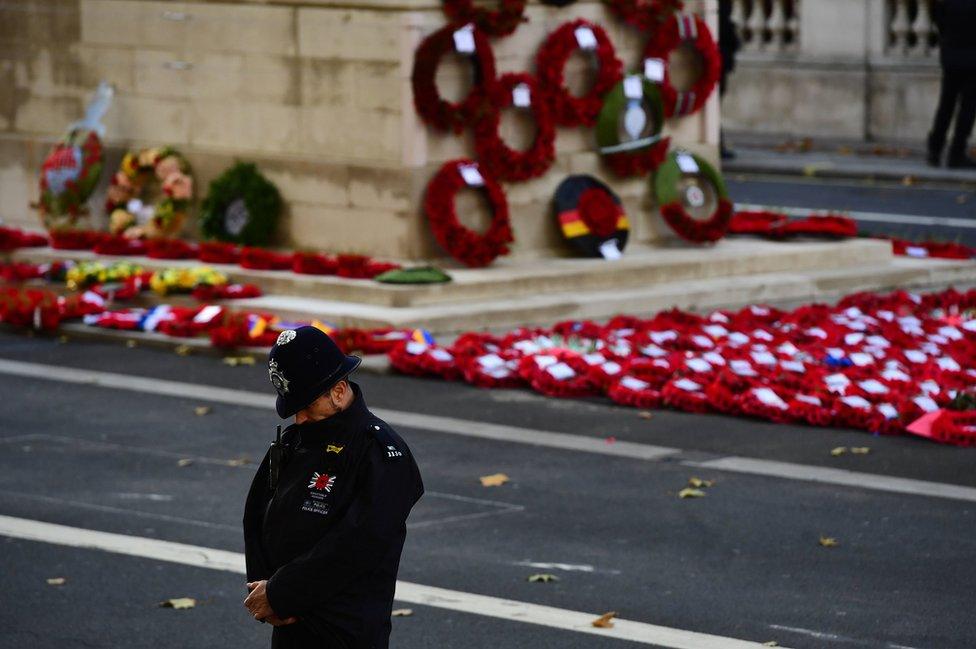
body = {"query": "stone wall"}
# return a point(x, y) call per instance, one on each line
point(316, 92)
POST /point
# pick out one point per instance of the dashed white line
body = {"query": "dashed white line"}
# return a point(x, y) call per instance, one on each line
point(407, 592)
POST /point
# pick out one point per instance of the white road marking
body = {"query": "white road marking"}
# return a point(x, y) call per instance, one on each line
point(878, 217)
point(838, 477)
point(498, 432)
point(566, 567)
point(406, 592)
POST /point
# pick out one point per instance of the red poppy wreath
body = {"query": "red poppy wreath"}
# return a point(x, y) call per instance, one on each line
point(467, 246)
point(684, 181)
point(500, 22)
point(434, 109)
point(551, 62)
point(645, 15)
point(677, 31)
point(498, 158)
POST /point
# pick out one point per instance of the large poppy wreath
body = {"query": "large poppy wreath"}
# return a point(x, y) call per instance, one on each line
point(500, 22)
point(467, 246)
point(551, 62)
point(677, 31)
point(434, 109)
point(497, 157)
point(591, 217)
point(629, 128)
point(673, 198)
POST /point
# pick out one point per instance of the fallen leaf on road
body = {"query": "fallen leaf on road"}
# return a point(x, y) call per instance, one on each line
point(908, 181)
point(543, 578)
point(645, 414)
point(691, 493)
point(131, 343)
point(828, 541)
point(605, 621)
point(610, 440)
point(698, 483)
point(184, 462)
point(202, 410)
point(840, 450)
point(234, 361)
point(860, 450)
point(182, 350)
point(179, 603)
point(495, 480)
point(771, 643)
point(962, 198)
point(62, 339)
point(243, 460)
point(402, 612)
point(56, 581)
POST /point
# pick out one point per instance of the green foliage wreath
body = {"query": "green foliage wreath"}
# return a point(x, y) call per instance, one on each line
point(242, 207)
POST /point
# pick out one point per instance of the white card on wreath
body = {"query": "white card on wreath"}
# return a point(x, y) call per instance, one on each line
point(464, 40)
point(521, 96)
point(471, 175)
point(585, 38)
point(654, 70)
point(609, 250)
point(687, 163)
point(633, 87)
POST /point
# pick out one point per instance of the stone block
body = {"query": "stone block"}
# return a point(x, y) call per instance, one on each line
point(380, 188)
point(98, 63)
point(162, 73)
point(240, 27)
point(148, 120)
point(244, 126)
point(342, 230)
point(46, 115)
point(350, 35)
point(137, 23)
point(344, 135)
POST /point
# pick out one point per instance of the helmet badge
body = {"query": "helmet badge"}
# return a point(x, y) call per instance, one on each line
point(278, 379)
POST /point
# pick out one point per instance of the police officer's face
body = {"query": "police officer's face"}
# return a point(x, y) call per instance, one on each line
point(333, 401)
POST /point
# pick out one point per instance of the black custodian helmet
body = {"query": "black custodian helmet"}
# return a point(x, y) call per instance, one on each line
point(303, 365)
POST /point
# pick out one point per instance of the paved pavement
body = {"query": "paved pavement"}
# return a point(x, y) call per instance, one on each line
point(743, 562)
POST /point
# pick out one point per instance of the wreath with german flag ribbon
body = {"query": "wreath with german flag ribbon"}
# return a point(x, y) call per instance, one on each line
point(499, 22)
point(591, 217)
point(628, 131)
point(150, 194)
point(680, 30)
point(551, 62)
point(687, 182)
point(645, 15)
point(467, 41)
point(503, 162)
point(467, 246)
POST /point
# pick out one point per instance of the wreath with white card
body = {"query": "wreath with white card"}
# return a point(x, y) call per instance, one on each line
point(569, 110)
point(499, 159)
point(464, 244)
point(467, 41)
point(628, 130)
point(683, 30)
point(692, 197)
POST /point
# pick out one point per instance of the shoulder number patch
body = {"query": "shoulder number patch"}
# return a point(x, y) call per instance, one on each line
point(392, 452)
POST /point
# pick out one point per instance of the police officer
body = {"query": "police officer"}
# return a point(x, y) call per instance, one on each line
point(325, 518)
point(956, 20)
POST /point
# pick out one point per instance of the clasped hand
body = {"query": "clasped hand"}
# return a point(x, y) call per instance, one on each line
point(257, 603)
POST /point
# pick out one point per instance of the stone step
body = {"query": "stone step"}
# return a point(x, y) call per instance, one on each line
point(781, 288)
point(510, 279)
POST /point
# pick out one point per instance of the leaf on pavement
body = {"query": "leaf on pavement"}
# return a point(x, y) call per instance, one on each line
point(184, 462)
point(131, 343)
point(241, 460)
point(402, 612)
point(828, 541)
point(202, 410)
point(771, 643)
point(908, 181)
point(494, 480)
point(544, 578)
point(840, 450)
point(182, 350)
point(605, 621)
point(691, 493)
point(698, 483)
point(645, 414)
point(860, 450)
point(56, 581)
point(234, 361)
point(62, 340)
point(611, 440)
point(179, 603)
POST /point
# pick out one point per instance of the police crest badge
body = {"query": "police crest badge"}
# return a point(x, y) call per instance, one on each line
point(278, 379)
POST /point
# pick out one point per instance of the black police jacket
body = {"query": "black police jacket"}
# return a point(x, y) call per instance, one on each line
point(328, 538)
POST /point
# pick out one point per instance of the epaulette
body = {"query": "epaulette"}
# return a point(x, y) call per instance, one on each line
point(389, 442)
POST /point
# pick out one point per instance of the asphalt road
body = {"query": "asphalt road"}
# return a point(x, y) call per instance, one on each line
point(940, 206)
point(743, 562)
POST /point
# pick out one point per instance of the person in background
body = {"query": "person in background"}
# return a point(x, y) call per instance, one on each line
point(956, 20)
point(728, 45)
